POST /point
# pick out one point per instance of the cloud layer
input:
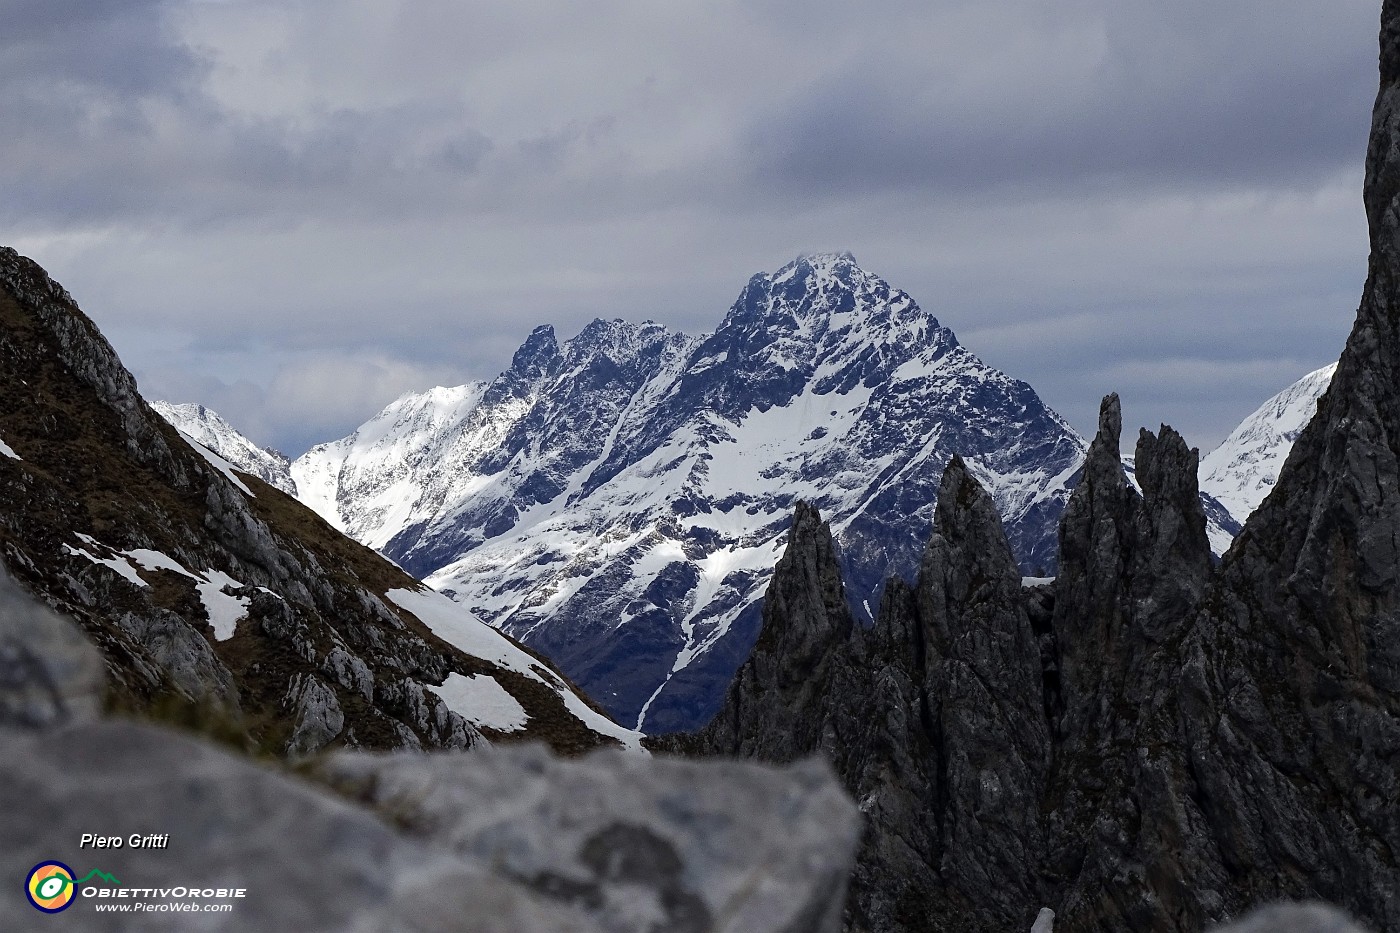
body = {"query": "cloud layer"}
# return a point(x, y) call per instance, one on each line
point(297, 209)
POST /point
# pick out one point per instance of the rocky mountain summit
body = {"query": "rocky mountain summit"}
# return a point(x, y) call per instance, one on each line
point(205, 427)
point(214, 595)
point(617, 501)
point(1149, 742)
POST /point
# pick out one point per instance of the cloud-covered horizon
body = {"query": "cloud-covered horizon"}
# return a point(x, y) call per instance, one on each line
point(299, 210)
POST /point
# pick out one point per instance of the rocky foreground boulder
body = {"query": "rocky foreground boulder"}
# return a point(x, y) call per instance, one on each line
point(1148, 742)
point(482, 841)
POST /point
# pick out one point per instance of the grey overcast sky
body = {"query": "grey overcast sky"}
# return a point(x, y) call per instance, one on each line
point(295, 210)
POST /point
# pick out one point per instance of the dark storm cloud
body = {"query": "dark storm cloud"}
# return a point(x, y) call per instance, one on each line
point(1122, 98)
point(123, 123)
point(57, 49)
point(116, 124)
point(294, 209)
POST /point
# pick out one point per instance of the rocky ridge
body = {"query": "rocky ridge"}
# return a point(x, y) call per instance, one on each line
point(214, 595)
point(1149, 742)
point(618, 500)
point(205, 427)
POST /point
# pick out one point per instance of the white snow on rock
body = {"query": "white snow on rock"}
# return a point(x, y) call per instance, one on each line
point(1242, 471)
point(217, 462)
point(224, 611)
point(155, 560)
point(460, 629)
point(316, 477)
point(118, 564)
point(465, 632)
point(482, 701)
point(379, 471)
point(7, 451)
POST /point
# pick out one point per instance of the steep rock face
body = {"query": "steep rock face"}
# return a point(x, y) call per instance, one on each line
point(209, 591)
point(1124, 833)
point(934, 718)
point(805, 616)
point(1299, 658)
point(986, 698)
point(618, 501)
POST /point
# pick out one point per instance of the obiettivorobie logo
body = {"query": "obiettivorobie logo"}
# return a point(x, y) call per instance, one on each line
point(51, 886)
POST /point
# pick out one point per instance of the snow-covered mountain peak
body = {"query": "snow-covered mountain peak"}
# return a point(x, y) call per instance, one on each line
point(619, 499)
point(620, 342)
point(1243, 469)
point(205, 427)
point(813, 289)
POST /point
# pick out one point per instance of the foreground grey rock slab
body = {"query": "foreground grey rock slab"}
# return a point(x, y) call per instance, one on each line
point(640, 844)
point(307, 860)
point(49, 673)
point(1294, 918)
point(488, 841)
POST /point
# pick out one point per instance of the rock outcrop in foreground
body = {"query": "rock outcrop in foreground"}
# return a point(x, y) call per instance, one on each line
point(492, 840)
point(1148, 743)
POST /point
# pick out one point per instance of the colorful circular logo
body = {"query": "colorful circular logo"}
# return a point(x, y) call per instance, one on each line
point(50, 887)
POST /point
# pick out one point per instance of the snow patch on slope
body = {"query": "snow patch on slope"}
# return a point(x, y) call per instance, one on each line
point(459, 628)
point(217, 462)
point(224, 611)
point(482, 701)
point(118, 564)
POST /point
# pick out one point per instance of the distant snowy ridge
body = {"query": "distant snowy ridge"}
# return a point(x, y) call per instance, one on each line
point(1242, 470)
point(207, 428)
point(619, 501)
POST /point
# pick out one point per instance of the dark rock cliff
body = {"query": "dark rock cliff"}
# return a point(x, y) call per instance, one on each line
point(935, 717)
point(1148, 743)
point(213, 597)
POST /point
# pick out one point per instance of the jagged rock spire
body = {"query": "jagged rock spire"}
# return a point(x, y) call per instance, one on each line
point(773, 708)
point(983, 685)
point(934, 719)
point(1171, 565)
point(1296, 677)
point(1097, 536)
